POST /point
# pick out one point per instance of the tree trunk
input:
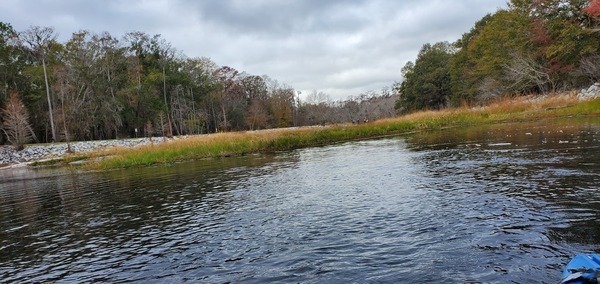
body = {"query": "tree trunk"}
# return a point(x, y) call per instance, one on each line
point(62, 102)
point(224, 116)
point(49, 100)
point(170, 128)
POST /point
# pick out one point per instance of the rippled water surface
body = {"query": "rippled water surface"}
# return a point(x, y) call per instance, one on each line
point(507, 203)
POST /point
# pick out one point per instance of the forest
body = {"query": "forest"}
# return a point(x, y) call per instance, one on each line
point(532, 47)
point(100, 86)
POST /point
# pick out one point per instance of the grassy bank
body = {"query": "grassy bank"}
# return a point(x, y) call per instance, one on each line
point(241, 143)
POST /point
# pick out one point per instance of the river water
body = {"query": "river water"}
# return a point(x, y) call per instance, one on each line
point(505, 203)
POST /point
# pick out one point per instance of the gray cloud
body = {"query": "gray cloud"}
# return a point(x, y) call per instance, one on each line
point(342, 47)
point(282, 18)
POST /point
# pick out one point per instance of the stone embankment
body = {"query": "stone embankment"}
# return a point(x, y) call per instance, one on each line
point(590, 93)
point(38, 152)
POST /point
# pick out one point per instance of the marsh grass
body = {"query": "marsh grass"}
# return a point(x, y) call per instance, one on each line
point(242, 143)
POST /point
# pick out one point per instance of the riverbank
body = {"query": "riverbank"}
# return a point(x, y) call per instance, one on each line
point(40, 153)
point(143, 151)
point(519, 109)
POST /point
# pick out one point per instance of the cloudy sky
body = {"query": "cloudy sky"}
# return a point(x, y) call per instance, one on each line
point(340, 47)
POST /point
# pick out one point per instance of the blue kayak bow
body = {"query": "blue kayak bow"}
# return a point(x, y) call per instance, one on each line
point(583, 268)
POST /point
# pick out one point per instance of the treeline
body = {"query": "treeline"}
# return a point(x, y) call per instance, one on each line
point(98, 86)
point(534, 46)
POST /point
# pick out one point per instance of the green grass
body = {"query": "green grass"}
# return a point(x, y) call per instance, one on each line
point(242, 143)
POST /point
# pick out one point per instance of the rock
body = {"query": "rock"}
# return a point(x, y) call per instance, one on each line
point(8, 155)
point(590, 93)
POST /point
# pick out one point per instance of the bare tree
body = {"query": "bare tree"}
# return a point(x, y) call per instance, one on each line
point(256, 94)
point(590, 67)
point(318, 98)
point(166, 55)
point(16, 122)
point(39, 39)
point(256, 117)
point(149, 129)
point(228, 93)
point(317, 108)
point(525, 72)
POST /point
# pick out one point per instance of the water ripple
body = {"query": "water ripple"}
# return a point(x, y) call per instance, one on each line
point(492, 205)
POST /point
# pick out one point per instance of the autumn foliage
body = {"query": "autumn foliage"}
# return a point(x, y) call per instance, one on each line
point(533, 47)
point(593, 9)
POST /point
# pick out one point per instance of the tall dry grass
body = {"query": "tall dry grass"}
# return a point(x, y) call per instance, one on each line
point(510, 104)
point(241, 143)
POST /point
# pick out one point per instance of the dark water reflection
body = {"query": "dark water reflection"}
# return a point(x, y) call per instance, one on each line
point(508, 203)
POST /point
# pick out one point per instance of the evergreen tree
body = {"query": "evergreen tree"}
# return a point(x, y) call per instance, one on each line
point(426, 82)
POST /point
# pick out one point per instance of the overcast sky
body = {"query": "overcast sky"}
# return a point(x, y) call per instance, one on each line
point(340, 47)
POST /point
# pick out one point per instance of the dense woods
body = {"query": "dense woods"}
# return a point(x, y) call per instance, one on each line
point(98, 86)
point(534, 46)
point(101, 86)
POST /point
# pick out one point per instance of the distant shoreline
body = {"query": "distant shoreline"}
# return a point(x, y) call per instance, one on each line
point(145, 151)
